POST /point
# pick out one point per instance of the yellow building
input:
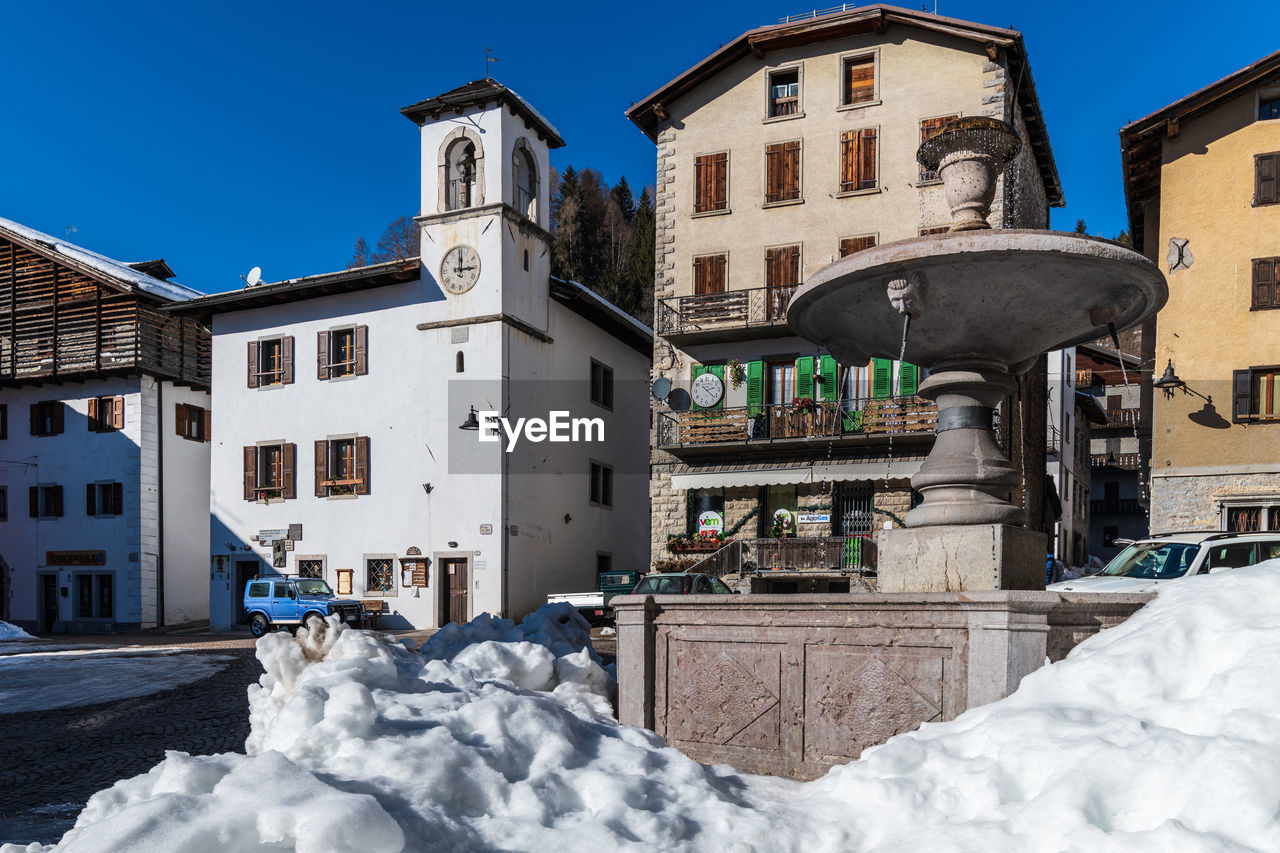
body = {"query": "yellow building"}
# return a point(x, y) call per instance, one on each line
point(1203, 196)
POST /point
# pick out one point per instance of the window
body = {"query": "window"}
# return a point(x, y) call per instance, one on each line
point(311, 567)
point(784, 93)
point(928, 128)
point(379, 578)
point(460, 167)
point(524, 175)
point(259, 589)
point(46, 418)
point(782, 172)
point(710, 274)
point(601, 484)
point(106, 414)
point(1257, 394)
point(342, 467)
point(1265, 292)
point(269, 471)
point(601, 384)
point(781, 278)
point(782, 383)
point(191, 422)
point(271, 362)
point(705, 511)
point(858, 160)
point(103, 499)
point(342, 352)
point(459, 363)
point(849, 245)
point(778, 498)
point(711, 183)
point(1269, 108)
point(46, 501)
point(858, 80)
point(1265, 168)
point(4, 421)
point(94, 597)
point(4, 503)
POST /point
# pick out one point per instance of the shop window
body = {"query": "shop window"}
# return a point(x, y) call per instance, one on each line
point(106, 414)
point(192, 422)
point(379, 577)
point(342, 467)
point(102, 499)
point(601, 484)
point(706, 511)
point(271, 362)
point(342, 352)
point(47, 418)
point(778, 515)
point(94, 596)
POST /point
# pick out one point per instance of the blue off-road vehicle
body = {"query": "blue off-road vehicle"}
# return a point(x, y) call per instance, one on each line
point(289, 601)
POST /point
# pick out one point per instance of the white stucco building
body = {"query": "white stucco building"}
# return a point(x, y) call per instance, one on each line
point(338, 450)
point(104, 460)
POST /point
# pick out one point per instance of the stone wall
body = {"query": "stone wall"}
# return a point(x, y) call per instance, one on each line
point(1194, 502)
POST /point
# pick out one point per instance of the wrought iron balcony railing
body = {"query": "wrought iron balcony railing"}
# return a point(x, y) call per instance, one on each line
point(1123, 461)
point(1120, 506)
point(771, 423)
point(724, 313)
point(855, 554)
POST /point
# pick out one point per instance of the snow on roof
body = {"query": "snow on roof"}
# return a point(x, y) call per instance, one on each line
point(590, 294)
point(117, 270)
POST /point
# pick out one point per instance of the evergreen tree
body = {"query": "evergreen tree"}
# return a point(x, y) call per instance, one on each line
point(621, 193)
point(1081, 228)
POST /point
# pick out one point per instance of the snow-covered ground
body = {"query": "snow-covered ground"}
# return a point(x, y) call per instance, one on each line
point(1160, 734)
point(12, 633)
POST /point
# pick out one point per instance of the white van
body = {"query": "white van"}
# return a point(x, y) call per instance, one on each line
point(1146, 564)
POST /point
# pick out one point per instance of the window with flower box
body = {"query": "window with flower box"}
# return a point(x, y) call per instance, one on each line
point(269, 471)
point(342, 466)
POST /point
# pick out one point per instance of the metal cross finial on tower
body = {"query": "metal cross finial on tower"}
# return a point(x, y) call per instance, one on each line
point(487, 60)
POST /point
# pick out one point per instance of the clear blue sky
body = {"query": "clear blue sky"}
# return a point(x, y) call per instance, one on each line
point(224, 135)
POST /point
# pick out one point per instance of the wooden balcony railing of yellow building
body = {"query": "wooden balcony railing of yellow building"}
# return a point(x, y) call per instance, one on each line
point(756, 424)
point(725, 315)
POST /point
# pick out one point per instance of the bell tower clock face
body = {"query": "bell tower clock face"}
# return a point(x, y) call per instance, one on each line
point(460, 269)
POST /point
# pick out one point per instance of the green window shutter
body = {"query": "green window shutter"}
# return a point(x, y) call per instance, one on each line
point(804, 376)
point(908, 379)
point(829, 372)
point(698, 370)
point(881, 378)
point(718, 370)
point(755, 388)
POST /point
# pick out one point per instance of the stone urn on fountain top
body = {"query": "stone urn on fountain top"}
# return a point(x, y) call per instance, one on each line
point(977, 307)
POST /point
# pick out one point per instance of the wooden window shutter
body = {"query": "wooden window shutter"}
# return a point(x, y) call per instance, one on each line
point(716, 369)
point(908, 379)
point(208, 424)
point(702, 184)
point(720, 181)
point(804, 376)
point(322, 468)
point(829, 372)
point(117, 412)
point(90, 499)
point(792, 257)
point(860, 80)
point(881, 378)
point(849, 245)
point(288, 465)
point(362, 465)
point(117, 498)
point(700, 275)
point(848, 161)
point(33, 496)
point(791, 171)
point(755, 388)
point(1242, 386)
point(95, 419)
point(59, 408)
point(322, 355)
point(250, 472)
point(253, 364)
point(180, 419)
point(286, 359)
point(867, 158)
point(1264, 283)
point(719, 273)
point(35, 419)
point(773, 181)
point(1266, 187)
point(362, 350)
point(55, 495)
point(694, 372)
point(928, 128)
point(771, 268)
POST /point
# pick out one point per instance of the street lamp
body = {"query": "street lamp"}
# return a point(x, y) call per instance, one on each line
point(471, 423)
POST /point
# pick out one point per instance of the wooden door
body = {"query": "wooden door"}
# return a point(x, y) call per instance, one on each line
point(453, 591)
point(49, 604)
point(246, 570)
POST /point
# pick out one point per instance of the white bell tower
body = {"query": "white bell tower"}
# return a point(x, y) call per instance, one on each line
point(485, 210)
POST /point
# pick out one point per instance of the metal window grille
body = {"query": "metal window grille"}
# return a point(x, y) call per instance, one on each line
point(378, 577)
point(311, 569)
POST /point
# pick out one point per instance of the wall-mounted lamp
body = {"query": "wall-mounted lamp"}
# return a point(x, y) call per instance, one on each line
point(453, 544)
point(472, 422)
point(427, 487)
point(1169, 383)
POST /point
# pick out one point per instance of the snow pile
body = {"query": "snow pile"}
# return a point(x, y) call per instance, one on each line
point(1160, 734)
point(10, 633)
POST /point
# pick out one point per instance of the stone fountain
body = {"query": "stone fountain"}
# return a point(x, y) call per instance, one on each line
point(976, 307)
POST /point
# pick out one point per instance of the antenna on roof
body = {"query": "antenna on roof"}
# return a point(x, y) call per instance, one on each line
point(70, 229)
point(487, 60)
point(253, 278)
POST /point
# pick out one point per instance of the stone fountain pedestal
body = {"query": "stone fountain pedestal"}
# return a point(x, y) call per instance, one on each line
point(961, 558)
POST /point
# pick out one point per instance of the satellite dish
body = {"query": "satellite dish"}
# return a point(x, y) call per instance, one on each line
point(678, 399)
point(254, 277)
point(661, 388)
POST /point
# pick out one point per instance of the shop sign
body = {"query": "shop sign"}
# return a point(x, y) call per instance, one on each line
point(784, 518)
point(75, 558)
point(266, 537)
point(815, 518)
point(711, 522)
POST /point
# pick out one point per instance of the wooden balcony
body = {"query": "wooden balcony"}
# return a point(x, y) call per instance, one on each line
point(731, 315)
point(1121, 461)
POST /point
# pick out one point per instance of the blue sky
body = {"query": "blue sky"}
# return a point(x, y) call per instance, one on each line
point(226, 135)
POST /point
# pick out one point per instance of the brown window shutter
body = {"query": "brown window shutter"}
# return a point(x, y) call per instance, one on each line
point(286, 360)
point(701, 198)
point(362, 350)
point(772, 173)
point(322, 468)
point(322, 355)
point(95, 421)
point(928, 128)
point(791, 170)
point(289, 460)
point(701, 276)
point(252, 364)
point(58, 408)
point(719, 273)
point(720, 188)
point(90, 499)
point(208, 424)
point(33, 495)
point(180, 419)
point(1242, 388)
point(771, 268)
point(362, 465)
point(117, 412)
point(848, 161)
point(1266, 188)
point(56, 497)
point(867, 158)
point(849, 245)
point(860, 80)
point(250, 472)
point(1264, 283)
point(117, 498)
point(793, 265)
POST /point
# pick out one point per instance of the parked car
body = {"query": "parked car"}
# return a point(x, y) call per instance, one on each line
point(1147, 563)
point(288, 600)
point(682, 583)
point(594, 606)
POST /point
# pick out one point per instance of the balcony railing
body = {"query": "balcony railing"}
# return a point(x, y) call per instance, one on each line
point(884, 416)
point(726, 311)
point(1119, 506)
point(854, 554)
point(1123, 461)
point(1128, 418)
point(459, 193)
point(524, 202)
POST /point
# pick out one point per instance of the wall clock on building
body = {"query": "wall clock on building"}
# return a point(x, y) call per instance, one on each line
point(460, 269)
point(707, 390)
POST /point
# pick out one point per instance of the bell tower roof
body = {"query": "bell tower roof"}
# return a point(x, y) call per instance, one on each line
point(482, 93)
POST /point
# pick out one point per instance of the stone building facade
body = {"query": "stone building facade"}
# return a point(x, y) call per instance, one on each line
point(790, 147)
point(1204, 202)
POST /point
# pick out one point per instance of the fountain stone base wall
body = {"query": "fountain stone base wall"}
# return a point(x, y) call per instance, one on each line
point(958, 558)
point(790, 685)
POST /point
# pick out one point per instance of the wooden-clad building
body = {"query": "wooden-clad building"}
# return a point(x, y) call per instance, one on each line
point(102, 392)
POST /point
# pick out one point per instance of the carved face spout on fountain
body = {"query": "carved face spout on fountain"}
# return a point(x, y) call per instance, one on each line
point(906, 294)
